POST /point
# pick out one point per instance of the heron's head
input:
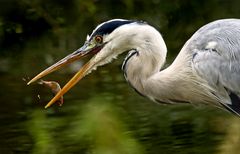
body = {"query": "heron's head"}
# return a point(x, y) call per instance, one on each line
point(107, 40)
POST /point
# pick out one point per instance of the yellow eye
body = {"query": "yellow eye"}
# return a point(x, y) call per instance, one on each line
point(99, 39)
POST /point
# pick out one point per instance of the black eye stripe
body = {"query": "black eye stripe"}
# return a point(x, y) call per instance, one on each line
point(108, 27)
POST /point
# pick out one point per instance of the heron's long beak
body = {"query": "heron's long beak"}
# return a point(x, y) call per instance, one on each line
point(85, 50)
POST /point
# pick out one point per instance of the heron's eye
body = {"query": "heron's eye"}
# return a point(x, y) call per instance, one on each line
point(99, 39)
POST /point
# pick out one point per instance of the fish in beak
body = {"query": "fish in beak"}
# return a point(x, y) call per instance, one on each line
point(86, 49)
point(55, 88)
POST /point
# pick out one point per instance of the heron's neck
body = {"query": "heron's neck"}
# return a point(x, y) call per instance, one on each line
point(143, 62)
point(142, 71)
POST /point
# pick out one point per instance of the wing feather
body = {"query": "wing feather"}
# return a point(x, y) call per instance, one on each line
point(216, 59)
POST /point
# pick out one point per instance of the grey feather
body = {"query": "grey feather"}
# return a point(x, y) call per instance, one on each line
point(216, 59)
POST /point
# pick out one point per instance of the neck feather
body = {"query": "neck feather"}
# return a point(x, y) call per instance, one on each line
point(144, 61)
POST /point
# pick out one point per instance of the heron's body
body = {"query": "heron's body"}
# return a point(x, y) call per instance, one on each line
point(207, 69)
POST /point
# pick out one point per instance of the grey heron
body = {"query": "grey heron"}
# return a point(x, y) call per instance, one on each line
point(206, 70)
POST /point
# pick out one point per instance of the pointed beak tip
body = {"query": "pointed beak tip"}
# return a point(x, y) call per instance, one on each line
point(30, 82)
point(49, 104)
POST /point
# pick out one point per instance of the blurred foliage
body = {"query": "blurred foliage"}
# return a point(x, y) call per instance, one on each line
point(102, 114)
point(43, 141)
point(99, 126)
point(96, 129)
point(232, 141)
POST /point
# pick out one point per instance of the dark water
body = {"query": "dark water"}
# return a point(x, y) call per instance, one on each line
point(102, 114)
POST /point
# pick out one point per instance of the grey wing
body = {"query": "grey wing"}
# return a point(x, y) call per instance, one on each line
point(216, 59)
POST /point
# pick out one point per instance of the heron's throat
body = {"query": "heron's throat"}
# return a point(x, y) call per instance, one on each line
point(139, 65)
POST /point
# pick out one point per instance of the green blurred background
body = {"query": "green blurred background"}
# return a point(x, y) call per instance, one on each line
point(102, 114)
